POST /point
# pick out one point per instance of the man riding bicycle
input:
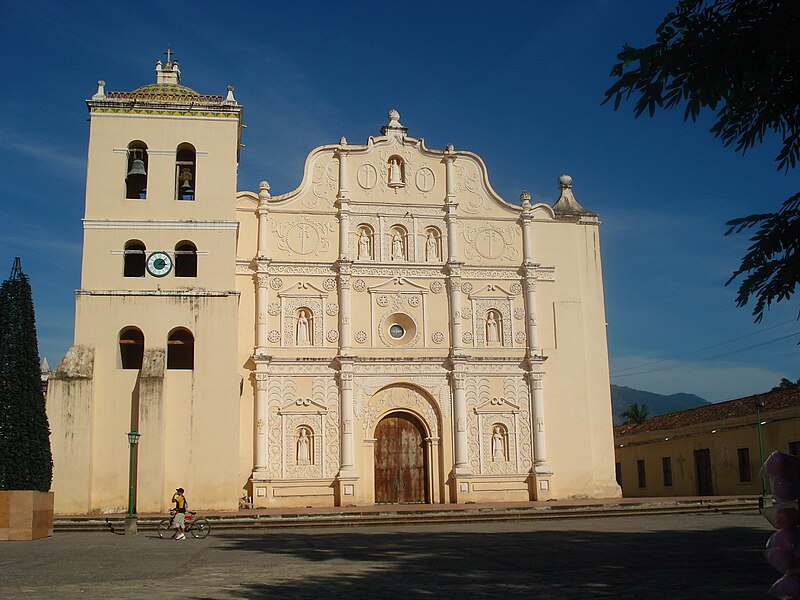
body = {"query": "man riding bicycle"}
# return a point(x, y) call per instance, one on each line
point(178, 520)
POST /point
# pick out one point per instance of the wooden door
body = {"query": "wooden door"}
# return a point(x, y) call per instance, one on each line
point(702, 465)
point(400, 469)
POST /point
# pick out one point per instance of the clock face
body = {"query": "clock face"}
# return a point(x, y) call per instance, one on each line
point(159, 264)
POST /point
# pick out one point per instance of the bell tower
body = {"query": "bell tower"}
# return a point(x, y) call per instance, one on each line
point(156, 313)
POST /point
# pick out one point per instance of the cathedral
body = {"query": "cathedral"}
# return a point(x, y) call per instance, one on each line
point(391, 331)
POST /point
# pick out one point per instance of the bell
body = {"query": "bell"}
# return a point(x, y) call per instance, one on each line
point(137, 168)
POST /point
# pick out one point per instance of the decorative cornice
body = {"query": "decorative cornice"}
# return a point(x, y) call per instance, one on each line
point(171, 225)
point(159, 293)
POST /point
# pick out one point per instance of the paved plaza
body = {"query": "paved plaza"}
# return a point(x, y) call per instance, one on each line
point(642, 557)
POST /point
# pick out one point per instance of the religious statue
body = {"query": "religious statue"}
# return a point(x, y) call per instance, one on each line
point(431, 251)
point(395, 174)
point(303, 449)
point(492, 335)
point(363, 246)
point(303, 337)
point(498, 446)
point(397, 247)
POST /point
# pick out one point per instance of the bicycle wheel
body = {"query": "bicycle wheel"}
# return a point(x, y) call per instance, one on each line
point(165, 529)
point(200, 528)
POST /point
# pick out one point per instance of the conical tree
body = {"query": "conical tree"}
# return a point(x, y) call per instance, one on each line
point(25, 459)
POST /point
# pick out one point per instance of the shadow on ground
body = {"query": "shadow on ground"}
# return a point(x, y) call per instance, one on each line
point(723, 563)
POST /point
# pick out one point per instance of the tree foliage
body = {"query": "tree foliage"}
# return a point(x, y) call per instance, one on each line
point(786, 384)
point(636, 414)
point(739, 59)
point(25, 458)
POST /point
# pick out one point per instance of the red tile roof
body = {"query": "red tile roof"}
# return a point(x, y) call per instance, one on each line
point(740, 407)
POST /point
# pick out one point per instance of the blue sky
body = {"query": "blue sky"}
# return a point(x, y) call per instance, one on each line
point(519, 83)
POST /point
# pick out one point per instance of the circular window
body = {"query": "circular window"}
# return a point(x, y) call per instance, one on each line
point(397, 331)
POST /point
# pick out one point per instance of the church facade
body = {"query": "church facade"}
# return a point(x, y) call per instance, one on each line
point(391, 331)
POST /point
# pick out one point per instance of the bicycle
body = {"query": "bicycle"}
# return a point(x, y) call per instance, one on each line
point(199, 527)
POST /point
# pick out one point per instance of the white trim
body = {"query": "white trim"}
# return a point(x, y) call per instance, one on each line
point(205, 225)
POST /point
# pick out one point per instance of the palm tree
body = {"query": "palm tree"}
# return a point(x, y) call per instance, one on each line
point(636, 414)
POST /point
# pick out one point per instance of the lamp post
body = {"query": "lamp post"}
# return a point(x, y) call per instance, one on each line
point(131, 524)
point(759, 406)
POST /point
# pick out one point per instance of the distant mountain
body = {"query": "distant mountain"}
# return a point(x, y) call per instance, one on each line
point(658, 404)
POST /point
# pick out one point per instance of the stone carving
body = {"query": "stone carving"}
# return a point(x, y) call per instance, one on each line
point(312, 329)
point(466, 312)
point(468, 187)
point(398, 247)
point(498, 445)
point(296, 269)
point(323, 184)
point(437, 287)
point(520, 337)
point(274, 309)
point(431, 248)
point(361, 336)
point(367, 176)
point(492, 335)
point(467, 337)
point(516, 289)
point(304, 455)
point(395, 173)
point(276, 283)
point(274, 336)
point(359, 285)
point(329, 284)
point(364, 246)
point(332, 309)
point(383, 300)
point(490, 241)
point(437, 337)
point(401, 397)
point(425, 179)
point(414, 300)
point(466, 287)
point(332, 335)
point(519, 313)
point(482, 309)
point(302, 235)
point(304, 334)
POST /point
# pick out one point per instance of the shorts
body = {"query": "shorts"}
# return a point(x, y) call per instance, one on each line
point(178, 520)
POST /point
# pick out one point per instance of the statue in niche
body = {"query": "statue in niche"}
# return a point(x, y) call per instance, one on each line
point(303, 333)
point(397, 247)
point(303, 448)
point(363, 246)
point(395, 173)
point(431, 251)
point(498, 445)
point(492, 334)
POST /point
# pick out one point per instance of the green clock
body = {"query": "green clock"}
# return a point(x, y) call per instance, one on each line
point(159, 264)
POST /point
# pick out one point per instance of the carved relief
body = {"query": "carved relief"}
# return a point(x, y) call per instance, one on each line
point(332, 335)
point(466, 287)
point(302, 321)
point(520, 337)
point(276, 283)
point(414, 300)
point(302, 235)
point(329, 284)
point(437, 337)
point(361, 336)
point(400, 397)
point(467, 186)
point(274, 336)
point(436, 287)
point(360, 285)
point(367, 176)
point(485, 307)
point(332, 309)
point(274, 309)
point(323, 184)
point(466, 312)
point(425, 179)
point(516, 289)
point(519, 313)
point(467, 337)
point(490, 241)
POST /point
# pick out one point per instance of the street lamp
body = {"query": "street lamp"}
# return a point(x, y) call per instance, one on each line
point(759, 405)
point(130, 520)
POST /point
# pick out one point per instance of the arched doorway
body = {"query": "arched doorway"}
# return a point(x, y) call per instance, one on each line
point(401, 469)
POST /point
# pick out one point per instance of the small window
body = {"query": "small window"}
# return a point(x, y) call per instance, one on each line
point(185, 260)
point(794, 448)
point(136, 171)
point(744, 465)
point(134, 259)
point(131, 348)
point(180, 350)
point(641, 472)
point(185, 172)
point(618, 468)
point(666, 466)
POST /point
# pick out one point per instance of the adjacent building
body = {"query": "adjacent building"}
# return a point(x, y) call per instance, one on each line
point(710, 450)
point(390, 331)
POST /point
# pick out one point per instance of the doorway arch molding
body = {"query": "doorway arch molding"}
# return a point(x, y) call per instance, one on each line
point(403, 397)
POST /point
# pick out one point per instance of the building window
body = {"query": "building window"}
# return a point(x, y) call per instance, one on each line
point(641, 473)
point(180, 349)
point(666, 466)
point(618, 469)
point(185, 260)
point(136, 171)
point(134, 259)
point(794, 448)
point(744, 465)
point(131, 348)
point(185, 172)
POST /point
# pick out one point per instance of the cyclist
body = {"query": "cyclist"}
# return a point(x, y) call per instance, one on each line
point(178, 520)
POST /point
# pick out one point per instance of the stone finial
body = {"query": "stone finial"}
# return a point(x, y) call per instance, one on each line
point(263, 190)
point(566, 204)
point(525, 197)
point(343, 141)
point(449, 148)
point(229, 99)
point(101, 91)
point(394, 127)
